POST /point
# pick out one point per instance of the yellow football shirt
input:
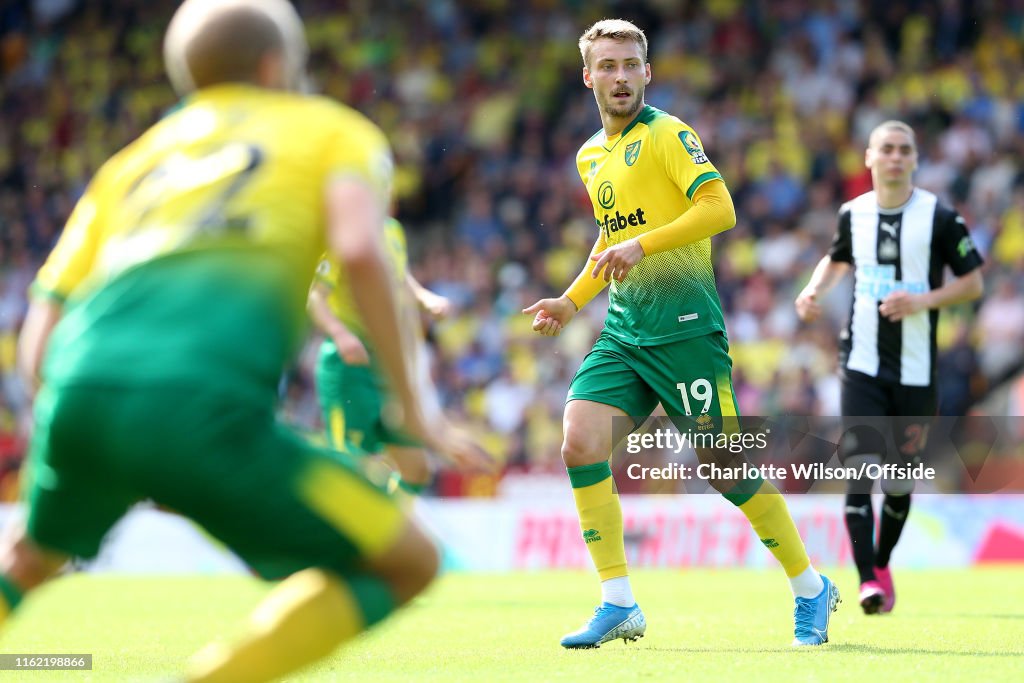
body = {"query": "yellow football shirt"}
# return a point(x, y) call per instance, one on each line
point(192, 249)
point(640, 180)
point(333, 278)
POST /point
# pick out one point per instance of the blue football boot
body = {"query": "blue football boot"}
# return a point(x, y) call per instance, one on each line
point(812, 614)
point(608, 623)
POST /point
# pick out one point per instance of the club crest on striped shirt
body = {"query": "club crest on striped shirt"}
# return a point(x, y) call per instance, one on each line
point(632, 152)
point(888, 249)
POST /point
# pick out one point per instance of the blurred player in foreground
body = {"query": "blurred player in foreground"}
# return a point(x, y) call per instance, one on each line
point(898, 240)
point(163, 319)
point(657, 201)
point(354, 395)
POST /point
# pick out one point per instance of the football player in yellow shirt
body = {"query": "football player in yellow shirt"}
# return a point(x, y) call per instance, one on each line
point(657, 201)
point(162, 321)
point(353, 393)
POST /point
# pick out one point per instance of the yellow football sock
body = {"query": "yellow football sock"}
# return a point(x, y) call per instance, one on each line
point(766, 510)
point(600, 512)
point(303, 619)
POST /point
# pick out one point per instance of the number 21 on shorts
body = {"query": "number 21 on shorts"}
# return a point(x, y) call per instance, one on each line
point(699, 390)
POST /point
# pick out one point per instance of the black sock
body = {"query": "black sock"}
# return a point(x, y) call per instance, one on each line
point(860, 522)
point(893, 517)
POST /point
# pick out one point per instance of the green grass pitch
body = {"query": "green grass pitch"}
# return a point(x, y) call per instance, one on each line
point(702, 626)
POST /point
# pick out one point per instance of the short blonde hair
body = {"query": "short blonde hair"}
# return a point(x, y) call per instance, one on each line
point(616, 29)
point(893, 124)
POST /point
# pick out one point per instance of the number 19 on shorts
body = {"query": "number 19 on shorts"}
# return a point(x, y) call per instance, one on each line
point(699, 390)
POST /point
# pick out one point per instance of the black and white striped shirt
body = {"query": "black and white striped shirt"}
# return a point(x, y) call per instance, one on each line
point(892, 249)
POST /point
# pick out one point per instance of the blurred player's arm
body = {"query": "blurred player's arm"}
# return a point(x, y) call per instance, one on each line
point(832, 268)
point(355, 214)
point(65, 268)
point(43, 315)
point(350, 347)
point(826, 274)
point(432, 303)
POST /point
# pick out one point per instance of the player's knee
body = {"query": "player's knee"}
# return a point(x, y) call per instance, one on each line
point(897, 487)
point(430, 565)
point(410, 565)
point(857, 483)
point(428, 558)
point(862, 441)
point(418, 475)
point(26, 564)
point(413, 465)
point(580, 448)
point(424, 569)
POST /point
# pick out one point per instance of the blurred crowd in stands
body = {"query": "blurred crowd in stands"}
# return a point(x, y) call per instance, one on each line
point(485, 108)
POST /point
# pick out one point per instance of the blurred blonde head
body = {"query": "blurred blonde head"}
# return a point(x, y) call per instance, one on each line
point(222, 41)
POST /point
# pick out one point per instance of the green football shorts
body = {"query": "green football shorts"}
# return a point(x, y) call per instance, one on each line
point(352, 400)
point(215, 456)
point(691, 378)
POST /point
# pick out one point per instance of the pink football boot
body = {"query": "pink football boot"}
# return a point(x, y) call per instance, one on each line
point(872, 596)
point(884, 577)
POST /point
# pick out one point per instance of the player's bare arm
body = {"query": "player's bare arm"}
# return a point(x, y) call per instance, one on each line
point(355, 214)
point(43, 315)
point(826, 274)
point(350, 347)
point(431, 303)
point(899, 305)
